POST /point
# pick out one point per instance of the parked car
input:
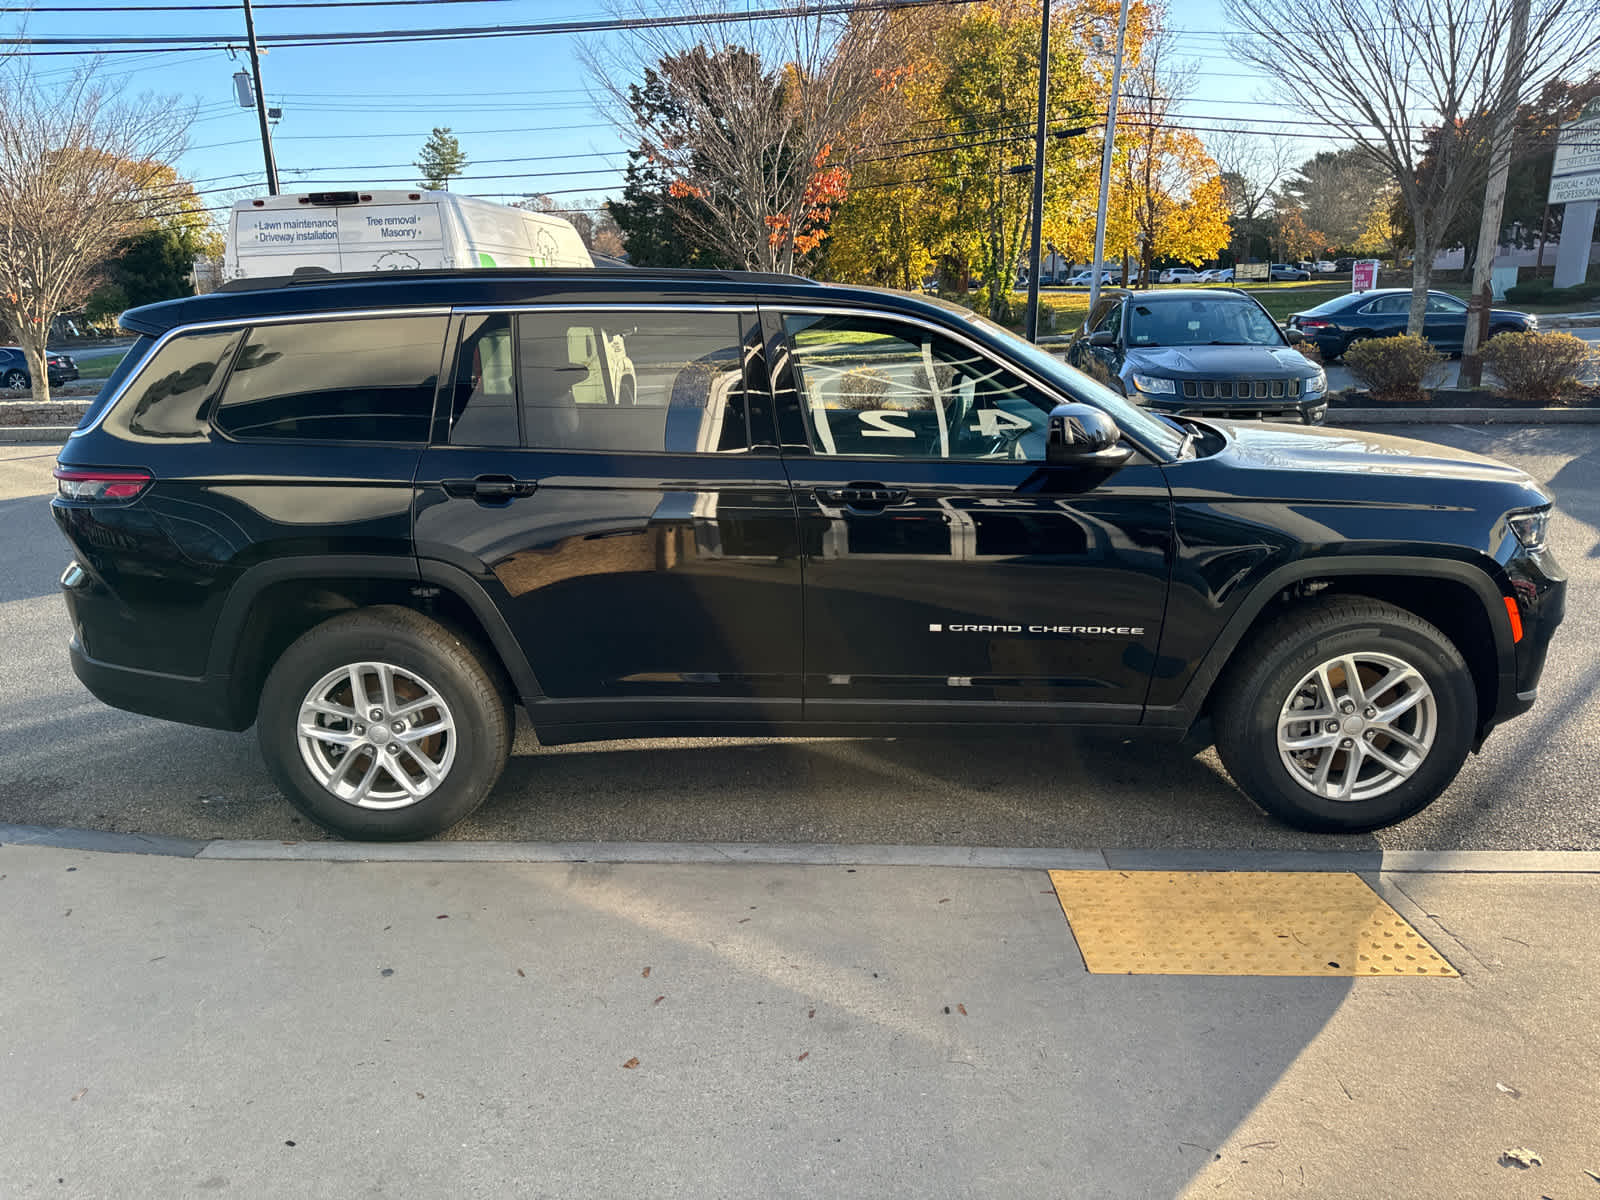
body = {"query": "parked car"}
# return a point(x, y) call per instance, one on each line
point(1341, 265)
point(1201, 353)
point(1217, 275)
point(1323, 267)
point(1085, 278)
point(1285, 272)
point(15, 376)
point(1179, 275)
point(1335, 325)
point(828, 510)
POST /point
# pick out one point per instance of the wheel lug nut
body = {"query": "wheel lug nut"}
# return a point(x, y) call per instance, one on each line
point(1347, 706)
point(1369, 735)
point(393, 749)
point(377, 714)
point(1370, 713)
point(1346, 744)
point(1333, 727)
point(398, 727)
point(361, 728)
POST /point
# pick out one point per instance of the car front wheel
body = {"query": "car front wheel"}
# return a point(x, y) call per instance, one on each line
point(382, 725)
point(1348, 714)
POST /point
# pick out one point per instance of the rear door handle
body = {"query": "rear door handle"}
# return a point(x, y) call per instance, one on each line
point(489, 487)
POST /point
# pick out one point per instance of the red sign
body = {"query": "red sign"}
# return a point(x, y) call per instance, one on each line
point(1364, 275)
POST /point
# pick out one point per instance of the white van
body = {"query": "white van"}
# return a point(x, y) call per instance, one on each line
point(392, 231)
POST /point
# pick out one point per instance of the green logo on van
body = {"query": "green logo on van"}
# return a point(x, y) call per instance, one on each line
point(486, 260)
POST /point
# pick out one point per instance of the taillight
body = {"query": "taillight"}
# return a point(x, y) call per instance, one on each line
point(94, 484)
point(1309, 323)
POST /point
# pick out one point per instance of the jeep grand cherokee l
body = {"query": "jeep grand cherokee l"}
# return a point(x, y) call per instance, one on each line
point(372, 514)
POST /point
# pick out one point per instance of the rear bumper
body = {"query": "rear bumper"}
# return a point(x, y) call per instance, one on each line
point(203, 700)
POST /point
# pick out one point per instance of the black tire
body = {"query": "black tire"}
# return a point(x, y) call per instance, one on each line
point(462, 675)
point(16, 381)
point(1263, 678)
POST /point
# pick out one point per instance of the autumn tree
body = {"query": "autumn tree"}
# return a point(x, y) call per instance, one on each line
point(1378, 72)
point(1333, 191)
point(754, 120)
point(1170, 186)
point(79, 171)
point(441, 159)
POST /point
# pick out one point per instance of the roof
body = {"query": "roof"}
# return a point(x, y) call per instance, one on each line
point(247, 299)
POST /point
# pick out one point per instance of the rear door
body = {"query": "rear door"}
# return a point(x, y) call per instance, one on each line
point(949, 574)
point(607, 476)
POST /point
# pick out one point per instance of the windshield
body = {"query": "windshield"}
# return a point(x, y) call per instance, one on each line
point(1157, 434)
point(1212, 321)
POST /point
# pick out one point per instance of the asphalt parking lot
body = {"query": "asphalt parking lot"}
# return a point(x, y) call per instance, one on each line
point(65, 759)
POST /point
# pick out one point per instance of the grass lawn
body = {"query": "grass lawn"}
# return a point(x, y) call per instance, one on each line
point(99, 368)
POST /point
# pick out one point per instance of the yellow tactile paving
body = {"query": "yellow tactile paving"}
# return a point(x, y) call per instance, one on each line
point(1239, 923)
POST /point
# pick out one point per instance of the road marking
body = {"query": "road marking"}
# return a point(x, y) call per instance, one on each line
point(1240, 923)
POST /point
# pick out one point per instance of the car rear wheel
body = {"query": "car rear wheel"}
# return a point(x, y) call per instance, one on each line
point(16, 380)
point(384, 725)
point(1346, 715)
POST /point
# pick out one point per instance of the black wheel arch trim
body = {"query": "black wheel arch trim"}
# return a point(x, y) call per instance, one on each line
point(1183, 713)
point(255, 580)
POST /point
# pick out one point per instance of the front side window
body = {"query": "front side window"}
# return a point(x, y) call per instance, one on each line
point(367, 379)
point(663, 381)
point(1443, 305)
point(881, 389)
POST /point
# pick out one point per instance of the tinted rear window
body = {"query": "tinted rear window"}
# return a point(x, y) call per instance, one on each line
point(115, 380)
point(1329, 306)
point(365, 379)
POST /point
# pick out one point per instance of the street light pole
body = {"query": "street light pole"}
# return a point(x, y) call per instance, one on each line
point(1105, 162)
point(261, 102)
point(1038, 173)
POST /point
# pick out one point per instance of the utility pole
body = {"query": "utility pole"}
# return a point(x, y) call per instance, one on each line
point(261, 102)
point(1105, 162)
point(1038, 173)
point(1494, 204)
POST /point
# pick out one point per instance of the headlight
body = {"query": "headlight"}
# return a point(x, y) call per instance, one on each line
point(1315, 385)
point(1154, 386)
point(1530, 528)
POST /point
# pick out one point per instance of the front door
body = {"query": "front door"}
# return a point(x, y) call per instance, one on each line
point(598, 472)
point(949, 574)
point(1445, 322)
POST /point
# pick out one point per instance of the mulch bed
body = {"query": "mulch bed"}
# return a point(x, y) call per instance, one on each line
point(1460, 398)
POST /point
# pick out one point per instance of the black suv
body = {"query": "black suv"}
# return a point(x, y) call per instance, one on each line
point(371, 514)
point(1205, 352)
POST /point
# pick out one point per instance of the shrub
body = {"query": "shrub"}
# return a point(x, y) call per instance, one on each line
point(1541, 368)
point(1395, 370)
point(863, 388)
point(1542, 291)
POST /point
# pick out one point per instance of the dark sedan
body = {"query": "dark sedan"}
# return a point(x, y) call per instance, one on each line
point(1213, 353)
point(1385, 312)
point(14, 375)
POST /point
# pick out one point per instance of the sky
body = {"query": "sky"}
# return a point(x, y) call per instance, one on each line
point(522, 107)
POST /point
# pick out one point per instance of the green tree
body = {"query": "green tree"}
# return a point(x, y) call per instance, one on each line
point(442, 158)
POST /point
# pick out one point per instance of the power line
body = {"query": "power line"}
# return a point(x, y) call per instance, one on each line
point(472, 32)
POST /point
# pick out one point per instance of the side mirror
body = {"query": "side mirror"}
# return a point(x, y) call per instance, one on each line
point(1294, 335)
point(1081, 435)
point(1105, 337)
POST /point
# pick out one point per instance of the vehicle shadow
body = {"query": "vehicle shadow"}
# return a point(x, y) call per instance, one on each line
point(1003, 787)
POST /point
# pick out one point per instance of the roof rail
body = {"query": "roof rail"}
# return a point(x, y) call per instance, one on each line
point(316, 278)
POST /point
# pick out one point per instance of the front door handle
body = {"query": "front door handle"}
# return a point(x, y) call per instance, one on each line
point(489, 488)
point(864, 497)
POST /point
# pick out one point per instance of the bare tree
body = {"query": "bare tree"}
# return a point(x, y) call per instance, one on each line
point(1252, 165)
point(79, 171)
point(593, 221)
point(1382, 72)
point(752, 119)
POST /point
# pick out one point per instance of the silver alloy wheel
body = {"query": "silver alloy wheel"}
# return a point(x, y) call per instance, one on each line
point(1357, 726)
point(376, 735)
point(16, 381)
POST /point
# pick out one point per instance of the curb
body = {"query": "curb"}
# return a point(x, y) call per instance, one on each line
point(27, 435)
point(1458, 862)
point(1462, 416)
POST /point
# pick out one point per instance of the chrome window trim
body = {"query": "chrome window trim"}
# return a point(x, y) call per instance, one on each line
point(465, 310)
point(976, 346)
point(243, 322)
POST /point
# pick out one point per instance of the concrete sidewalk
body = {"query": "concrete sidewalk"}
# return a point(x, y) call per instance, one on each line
point(198, 1026)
